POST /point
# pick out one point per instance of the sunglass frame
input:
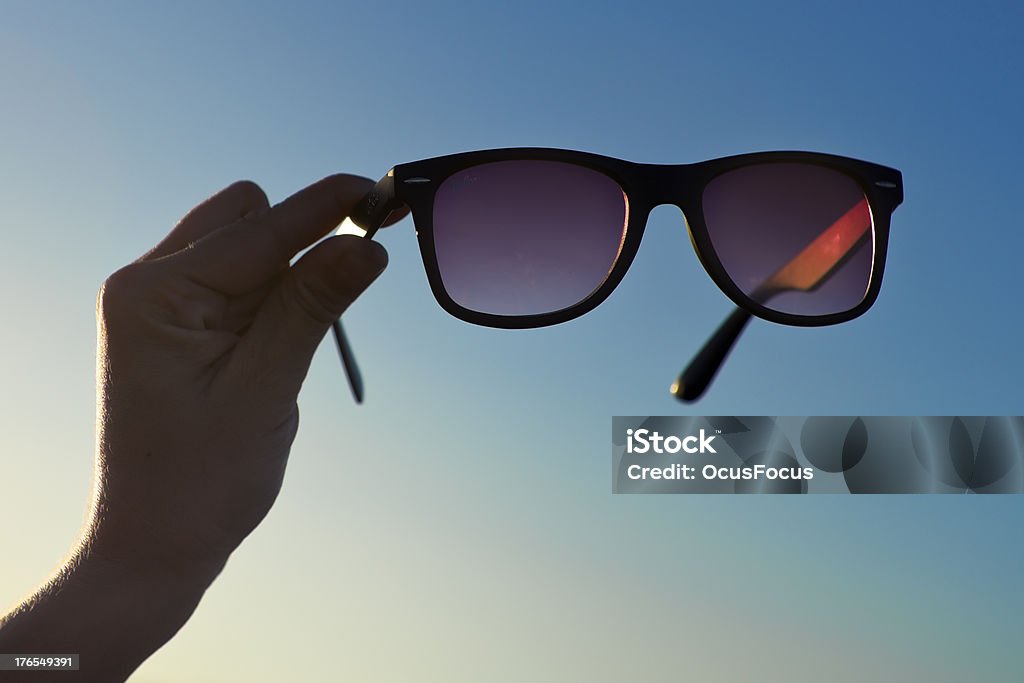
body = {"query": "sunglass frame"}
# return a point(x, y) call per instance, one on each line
point(646, 186)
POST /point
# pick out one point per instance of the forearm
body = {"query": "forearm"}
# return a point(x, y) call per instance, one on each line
point(111, 616)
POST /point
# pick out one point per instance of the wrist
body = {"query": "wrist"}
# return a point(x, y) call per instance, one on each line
point(136, 603)
point(111, 613)
point(118, 554)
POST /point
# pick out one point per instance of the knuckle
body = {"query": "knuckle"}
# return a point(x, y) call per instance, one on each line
point(251, 196)
point(116, 285)
point(120, 291)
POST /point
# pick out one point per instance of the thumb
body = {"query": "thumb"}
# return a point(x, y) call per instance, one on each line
point(297, 313)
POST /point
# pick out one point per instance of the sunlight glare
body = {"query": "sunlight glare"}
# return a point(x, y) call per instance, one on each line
point(347, 227)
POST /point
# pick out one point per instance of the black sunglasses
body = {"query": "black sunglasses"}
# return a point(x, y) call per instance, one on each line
point(520, 238)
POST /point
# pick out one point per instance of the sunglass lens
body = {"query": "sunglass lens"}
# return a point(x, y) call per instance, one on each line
point(527, 237)
point(795, 237)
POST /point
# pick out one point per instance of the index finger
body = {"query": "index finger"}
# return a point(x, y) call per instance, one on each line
point(247, 253)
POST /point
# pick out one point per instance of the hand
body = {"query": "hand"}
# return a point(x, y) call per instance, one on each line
point(204, 343)
point(203, 346)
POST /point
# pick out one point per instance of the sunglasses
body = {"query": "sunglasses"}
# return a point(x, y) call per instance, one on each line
point(522, 238)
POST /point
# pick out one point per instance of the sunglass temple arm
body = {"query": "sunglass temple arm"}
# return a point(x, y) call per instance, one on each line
point(696, 378)
point(805, 272)
point(370, 213)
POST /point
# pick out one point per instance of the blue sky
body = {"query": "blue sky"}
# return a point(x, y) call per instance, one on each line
point(463, 515)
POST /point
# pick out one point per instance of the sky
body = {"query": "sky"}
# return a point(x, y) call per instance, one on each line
point(460, 525)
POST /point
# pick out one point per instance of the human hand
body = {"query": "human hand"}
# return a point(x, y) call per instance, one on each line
point(203, 346)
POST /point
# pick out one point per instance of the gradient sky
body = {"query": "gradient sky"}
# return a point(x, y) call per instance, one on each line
point(459, 525)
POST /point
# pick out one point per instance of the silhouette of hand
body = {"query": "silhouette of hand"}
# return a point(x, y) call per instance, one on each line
point(204, 343)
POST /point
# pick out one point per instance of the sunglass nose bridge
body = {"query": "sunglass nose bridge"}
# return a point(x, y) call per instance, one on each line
point(675, 186)
point(661, 184)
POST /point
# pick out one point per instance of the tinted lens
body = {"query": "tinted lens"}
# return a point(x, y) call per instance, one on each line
point(523, 238)
point(798, 238)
